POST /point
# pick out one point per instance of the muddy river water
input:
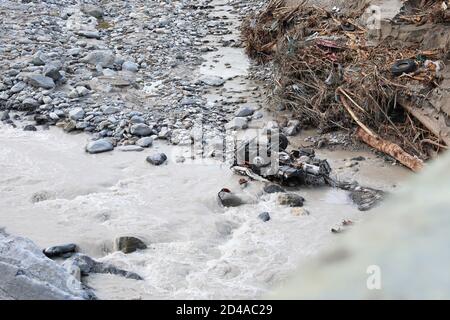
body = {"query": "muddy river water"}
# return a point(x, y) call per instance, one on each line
point(54, 193)
point(196, 248)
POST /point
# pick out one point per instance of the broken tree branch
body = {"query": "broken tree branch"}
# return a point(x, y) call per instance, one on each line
point(353, 115)
point(391, 149)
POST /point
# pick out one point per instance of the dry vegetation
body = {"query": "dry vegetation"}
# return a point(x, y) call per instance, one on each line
point(326, 70)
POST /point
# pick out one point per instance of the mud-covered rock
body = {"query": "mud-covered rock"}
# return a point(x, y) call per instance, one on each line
point(129, 244)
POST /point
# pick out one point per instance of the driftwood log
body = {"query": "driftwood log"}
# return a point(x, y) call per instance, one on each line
point(391, 149)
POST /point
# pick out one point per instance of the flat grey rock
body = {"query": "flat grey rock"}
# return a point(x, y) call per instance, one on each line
point(41, 81)
point(99, 146)
point(213, 81)
point(244, 111)
point(130, 148)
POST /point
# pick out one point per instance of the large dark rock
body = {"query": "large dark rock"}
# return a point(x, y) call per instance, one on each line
point(62, 250)
point(291, 200)
point(228, 199)
point(129, 244)
point(157, 159)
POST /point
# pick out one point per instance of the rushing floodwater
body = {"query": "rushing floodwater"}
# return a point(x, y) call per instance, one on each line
point(196, 249)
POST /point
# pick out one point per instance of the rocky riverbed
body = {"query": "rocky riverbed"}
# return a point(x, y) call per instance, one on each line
point(168, 79)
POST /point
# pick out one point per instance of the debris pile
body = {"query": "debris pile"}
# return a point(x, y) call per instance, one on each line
point(297, 167)
point(424, 11)
point(333, 76)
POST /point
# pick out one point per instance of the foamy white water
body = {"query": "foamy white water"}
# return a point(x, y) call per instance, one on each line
point(196, 249)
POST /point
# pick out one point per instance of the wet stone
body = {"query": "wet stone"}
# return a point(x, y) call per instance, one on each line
point(273, 188)
point(265, 216)
point(291, 200)
point(99, 146)
point(157, 159)
point(129, 244)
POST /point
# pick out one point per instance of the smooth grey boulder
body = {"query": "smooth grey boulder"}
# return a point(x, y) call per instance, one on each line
point(77, 114)
point(214, 81)
point(99, 146)
point(291, 200)
point(157, 159)
point(130, 66)
point(58, 251)
point(145, 142)
point(129, 244)
point(244, 111)
point(40, 81)
point(27, 274)
point(141, 130)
